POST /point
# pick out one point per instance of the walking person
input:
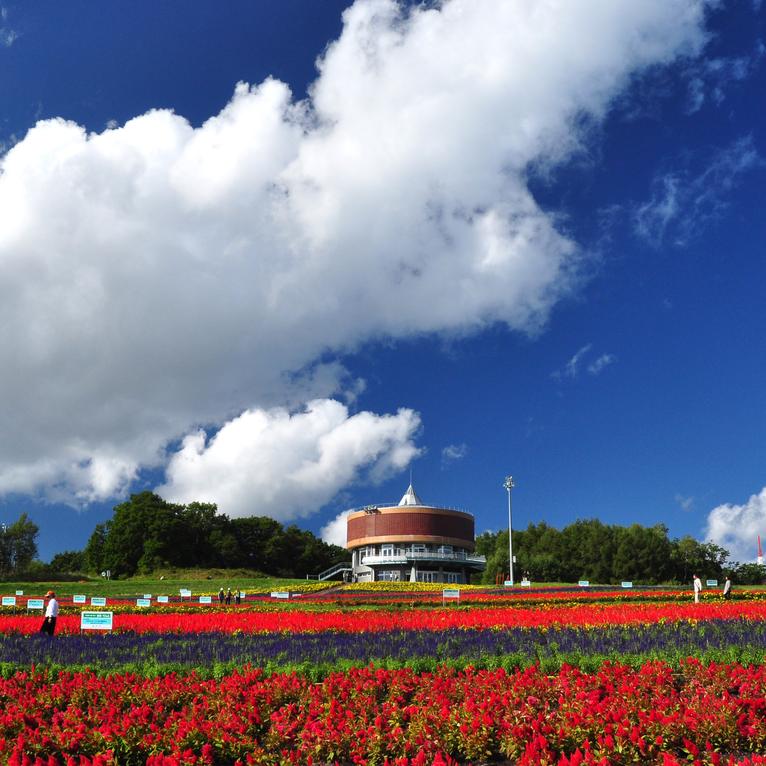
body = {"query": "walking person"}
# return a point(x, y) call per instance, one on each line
point(221, 596)
point(727, 588)
point(228, 597)
point(697, 583)
point(51, 613)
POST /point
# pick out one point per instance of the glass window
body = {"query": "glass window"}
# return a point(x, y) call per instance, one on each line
point(387, 550)
point(427, 576)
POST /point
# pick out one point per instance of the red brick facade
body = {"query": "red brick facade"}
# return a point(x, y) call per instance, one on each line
point(404, 523)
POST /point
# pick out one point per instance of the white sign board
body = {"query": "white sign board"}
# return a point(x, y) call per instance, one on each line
point(162, 599)
point(97, 601)
point(9, 600)
point(626, 584)
point(143, 602)
point(35, 603)
point(79, 598)
point(508, 583)
point(19, 592)
point(206, 599)
point(526, 584)
point(711, 583)
point(451, 593)
point(96, 620)
point(185, 593)
point(148, 595)
point(584, 583)
point(280, 594)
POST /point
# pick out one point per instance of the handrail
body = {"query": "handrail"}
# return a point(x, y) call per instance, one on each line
point(342, 567)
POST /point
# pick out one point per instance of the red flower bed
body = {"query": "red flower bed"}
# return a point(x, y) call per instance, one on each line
point(700, 715)
point(424, 619)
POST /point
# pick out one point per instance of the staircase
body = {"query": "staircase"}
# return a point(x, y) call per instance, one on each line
point(328, 573)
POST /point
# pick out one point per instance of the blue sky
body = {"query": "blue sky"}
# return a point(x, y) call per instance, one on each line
point(466, 238)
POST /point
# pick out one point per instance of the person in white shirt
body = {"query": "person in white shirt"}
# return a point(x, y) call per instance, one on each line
point(51, 613)
point(697, 588)
point(727, 588)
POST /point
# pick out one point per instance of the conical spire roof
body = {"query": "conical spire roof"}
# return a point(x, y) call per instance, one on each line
point(409, 497)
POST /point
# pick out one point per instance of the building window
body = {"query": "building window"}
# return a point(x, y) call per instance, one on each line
point(387, 550)
point(389, 575)
point(427, 576)
point(454, 577)
point(445, 549)
point(417, 548)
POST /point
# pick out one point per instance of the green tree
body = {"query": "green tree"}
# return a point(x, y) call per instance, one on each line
point(93, 555)
point(18, 545)
point(68, 561)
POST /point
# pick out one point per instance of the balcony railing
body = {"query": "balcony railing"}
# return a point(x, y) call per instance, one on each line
point(404, 557)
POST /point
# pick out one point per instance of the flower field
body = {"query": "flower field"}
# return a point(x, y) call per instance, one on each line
point(544, 679)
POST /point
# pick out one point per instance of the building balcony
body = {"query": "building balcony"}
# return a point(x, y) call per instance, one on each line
point(408, 557)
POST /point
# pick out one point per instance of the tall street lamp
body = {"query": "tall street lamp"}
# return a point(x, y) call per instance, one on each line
point(508, 484)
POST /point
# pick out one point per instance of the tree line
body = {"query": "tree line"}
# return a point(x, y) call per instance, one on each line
point(147, 533)
point(608, 553)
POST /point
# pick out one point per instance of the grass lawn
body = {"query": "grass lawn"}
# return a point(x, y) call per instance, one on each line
point(198, 581)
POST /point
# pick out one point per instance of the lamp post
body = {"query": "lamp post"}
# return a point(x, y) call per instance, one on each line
point(508, 484)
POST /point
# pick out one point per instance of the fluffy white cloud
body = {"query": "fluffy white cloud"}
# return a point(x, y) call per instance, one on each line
point(156, 276)
point(335, 531)
point(286, 465)
point(736, 527)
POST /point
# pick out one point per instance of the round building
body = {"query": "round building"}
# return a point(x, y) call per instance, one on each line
point(412, 542)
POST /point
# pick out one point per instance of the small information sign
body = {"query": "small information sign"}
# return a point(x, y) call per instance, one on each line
point(451, 593)
point(508, 584)
point(19, 592)
point(9, 600)
point(97, 601)
point(626, 584)
point(35, 603)
point(711, 583)
point(96, 620)
point(185, 593)
point(206, 599)
point(584, 583)
point(162, 599)
point(148, 595)
point(79, 598)
point(526, 584)
point(143, 602)
point(280, 594)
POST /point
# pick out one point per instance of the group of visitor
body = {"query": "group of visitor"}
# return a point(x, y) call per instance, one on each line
point(225, 598)
point(697, 586)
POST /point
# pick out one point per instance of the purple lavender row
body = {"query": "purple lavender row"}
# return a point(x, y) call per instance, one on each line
point(203, 649)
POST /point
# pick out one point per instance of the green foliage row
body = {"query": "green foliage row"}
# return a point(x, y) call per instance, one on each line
point(550, 662)
point(607, 553)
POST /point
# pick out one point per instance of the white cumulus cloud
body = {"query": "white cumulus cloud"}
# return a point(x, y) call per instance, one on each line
point(736, 527)
point(287, 465)
point(156, 276)
point(335, 532)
